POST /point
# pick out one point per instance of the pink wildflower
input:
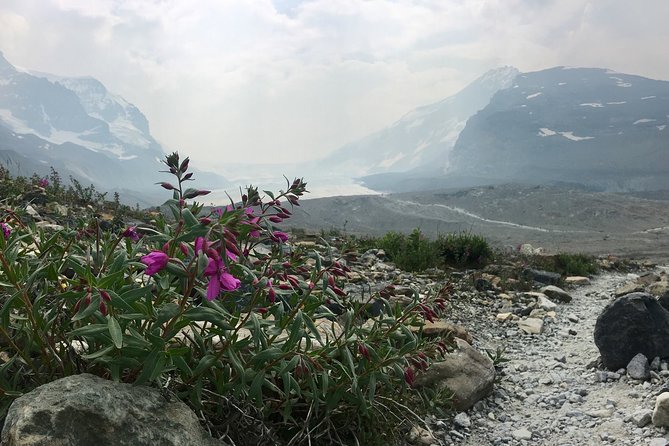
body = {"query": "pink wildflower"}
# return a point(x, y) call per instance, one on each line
point(219, 278)
point(155, 261)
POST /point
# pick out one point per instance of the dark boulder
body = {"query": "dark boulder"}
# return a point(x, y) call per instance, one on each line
point(632, 324)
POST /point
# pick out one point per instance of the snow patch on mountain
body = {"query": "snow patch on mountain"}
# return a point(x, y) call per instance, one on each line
point(543, 131)
point(648, 97)
point(592, 104)
point(644, 120)
point(572, 137)
point(532, 96)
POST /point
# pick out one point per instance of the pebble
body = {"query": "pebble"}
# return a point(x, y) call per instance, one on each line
point(522, 434)
point(462, 420)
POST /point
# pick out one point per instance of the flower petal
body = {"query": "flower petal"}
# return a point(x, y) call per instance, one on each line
point(213, 288)
point(229, 282)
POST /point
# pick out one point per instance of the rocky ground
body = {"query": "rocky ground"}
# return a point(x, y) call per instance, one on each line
point(550, 390)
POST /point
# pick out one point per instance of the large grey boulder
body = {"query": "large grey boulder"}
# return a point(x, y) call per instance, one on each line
point(631, 324)
point(467, 373)
point(87, 410)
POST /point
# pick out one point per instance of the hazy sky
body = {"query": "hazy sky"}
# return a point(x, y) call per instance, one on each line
point(270, 81)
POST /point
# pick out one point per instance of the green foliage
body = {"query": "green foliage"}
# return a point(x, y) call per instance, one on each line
point(465, 249)
point(567, 264)
point(575, 264)
point(415, 252)
point(142, 305)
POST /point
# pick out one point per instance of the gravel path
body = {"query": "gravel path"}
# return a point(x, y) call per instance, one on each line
point(547, 394)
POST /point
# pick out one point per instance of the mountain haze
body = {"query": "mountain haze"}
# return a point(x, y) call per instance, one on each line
point(422, 137)
point(81, 129)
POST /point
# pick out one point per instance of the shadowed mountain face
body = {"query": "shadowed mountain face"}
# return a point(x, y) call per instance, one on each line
point(590, 126)
point(80, 128)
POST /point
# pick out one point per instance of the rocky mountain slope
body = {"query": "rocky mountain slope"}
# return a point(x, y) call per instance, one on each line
point(591, 126)
point(80, 128)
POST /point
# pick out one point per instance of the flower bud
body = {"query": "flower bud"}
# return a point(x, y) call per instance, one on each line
point(167, 186)
point(105, 296)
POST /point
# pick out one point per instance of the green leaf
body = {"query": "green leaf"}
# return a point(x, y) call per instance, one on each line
point(99, 353)
point(115, 332)
point(296, 332)
point(312, 328)
point(134, 294)
point(255, 391)
point(182, 365)
point(118, 262)
point(288, 366)
point(269, 194)
point(166, 312)
point(151, 362)
point(189, 218)
point(205, 362)
point(208, 315)
point(110, 279)
point(118, 302)
point(88, 330)
point(371, 391)
point(267, 355)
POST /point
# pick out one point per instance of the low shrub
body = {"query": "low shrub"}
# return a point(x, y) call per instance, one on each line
point(575, 264)
point(214, 309)
point(465, 249)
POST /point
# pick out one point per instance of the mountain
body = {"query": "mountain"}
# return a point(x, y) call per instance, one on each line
point(422, 137)
point(81, 129)
point(583, 125)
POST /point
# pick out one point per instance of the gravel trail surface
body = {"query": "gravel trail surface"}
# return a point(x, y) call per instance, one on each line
point(550, 392)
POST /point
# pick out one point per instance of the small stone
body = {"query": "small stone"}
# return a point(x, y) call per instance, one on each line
point(571, 317)
point(600, 413)
point(545, 303)
point(638, 367)
point(522, 434)
point(462, 420)
point(658, 442)
point(556, 293)
point(504, 316)
point(421, 436)
point(655, 364)
point(577, 280)
point(572, 332)
point(32, 212)
point(642, 418)
point(531, 325)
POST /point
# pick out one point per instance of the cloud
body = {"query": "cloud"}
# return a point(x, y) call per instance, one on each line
point(271, 80)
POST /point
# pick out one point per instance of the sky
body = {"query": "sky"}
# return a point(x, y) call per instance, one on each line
point(276, 81)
